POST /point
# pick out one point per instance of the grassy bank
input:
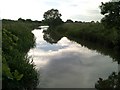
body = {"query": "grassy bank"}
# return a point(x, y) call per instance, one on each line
point(93, 32)
point(90, 35)
point(18, 71)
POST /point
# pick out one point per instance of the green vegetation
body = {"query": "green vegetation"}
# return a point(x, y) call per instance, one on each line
point(94, 38)
point(18, 69)
point(52, 18)
point(111, 83)
point(111, 10)
point(94, 32)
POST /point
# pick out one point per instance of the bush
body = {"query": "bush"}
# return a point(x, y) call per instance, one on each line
point(18, 71)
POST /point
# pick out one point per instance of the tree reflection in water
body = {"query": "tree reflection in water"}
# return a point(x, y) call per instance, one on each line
point(113, 81)
point(51, 36)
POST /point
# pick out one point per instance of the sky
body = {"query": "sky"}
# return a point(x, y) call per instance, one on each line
point(77, 10)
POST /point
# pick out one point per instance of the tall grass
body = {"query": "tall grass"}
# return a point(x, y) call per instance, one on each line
point(19, 72)
point(94, 32)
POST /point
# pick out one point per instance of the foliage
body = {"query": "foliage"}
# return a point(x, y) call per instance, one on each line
point(20, 19)
point(91, 35)
point(28, 20)
point(52, 18)
point(20, 29)
point(69, 21)
point(112, 82)
point(94, 32)
point(52, 36)
point(111, 10)
point(18, 71)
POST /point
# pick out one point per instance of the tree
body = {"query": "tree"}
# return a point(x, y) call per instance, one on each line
point(28, 20)
point(20, 19)
point(52, 36)
point(52, 18)
point(111, 83)
point(111, 10)
point(69, 21)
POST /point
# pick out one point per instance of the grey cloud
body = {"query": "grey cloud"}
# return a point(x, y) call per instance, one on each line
point(53, 47)
point(89, 17)
point(51, 3)
point(71, 69)
point(93, 11)
point(56, 2)
point(73, 5)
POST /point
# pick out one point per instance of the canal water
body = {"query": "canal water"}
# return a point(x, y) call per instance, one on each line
point(67, 64)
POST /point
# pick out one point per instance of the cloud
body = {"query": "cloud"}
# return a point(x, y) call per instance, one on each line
point(88, 17)
point(35, 9)
point(93, 11)
point(73, 5)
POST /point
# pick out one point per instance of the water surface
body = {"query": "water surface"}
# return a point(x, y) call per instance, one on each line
point(67, 64)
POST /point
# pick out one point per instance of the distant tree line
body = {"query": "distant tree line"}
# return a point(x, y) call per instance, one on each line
point(29, 20)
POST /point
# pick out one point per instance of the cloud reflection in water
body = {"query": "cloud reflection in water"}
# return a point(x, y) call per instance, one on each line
point(68, 64)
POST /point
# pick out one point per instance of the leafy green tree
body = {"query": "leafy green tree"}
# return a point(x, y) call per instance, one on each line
point(69, 21)
point(52, 18)
point(52, 36)
point(20, 19)
point(111, 83)
point(111, 10)
point(28, 20)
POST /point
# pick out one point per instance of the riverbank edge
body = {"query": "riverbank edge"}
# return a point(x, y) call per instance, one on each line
point(92, 39)
point(107, 38)
point(14, 56)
